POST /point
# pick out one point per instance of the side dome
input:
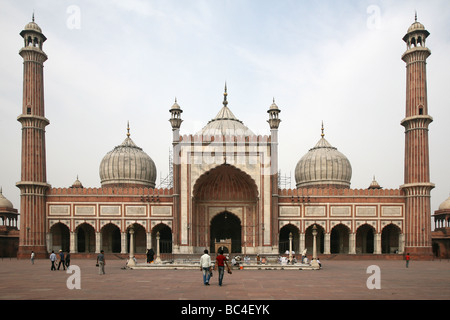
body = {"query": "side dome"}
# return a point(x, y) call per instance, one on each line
point(445, 205)
point(127, 165)
point(323, 167)
point(5, 203)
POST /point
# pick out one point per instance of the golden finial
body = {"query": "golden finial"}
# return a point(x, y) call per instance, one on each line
point(128, 128)
point(322, 135)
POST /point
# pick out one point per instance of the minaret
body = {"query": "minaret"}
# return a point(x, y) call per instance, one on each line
point(274, 123)
point(417, 186)
point(175, 122)
point(33, 182)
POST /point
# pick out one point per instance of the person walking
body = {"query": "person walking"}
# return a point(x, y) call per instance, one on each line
point(205, 267)
point(53, 260)
point(150, 255)
point(101, 262)
point(221, 262)
point(68, 258)
point(61, 260)
point(32, 257)
point(407, 258)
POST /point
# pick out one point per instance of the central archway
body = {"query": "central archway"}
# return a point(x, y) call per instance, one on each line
point(225, 206)
point(226, 226)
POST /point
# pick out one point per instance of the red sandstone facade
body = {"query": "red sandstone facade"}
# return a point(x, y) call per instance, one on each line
point(234, 196)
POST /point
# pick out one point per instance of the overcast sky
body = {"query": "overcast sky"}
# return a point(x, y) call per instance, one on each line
point(333, 61)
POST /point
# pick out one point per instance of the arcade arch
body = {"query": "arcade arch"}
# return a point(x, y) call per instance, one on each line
point(283, 245)
point(365, 239)
point(85, 238)
point(390, 239)
point(60, 237)
point(339, 239)
point(165, 238)
point(111, 239)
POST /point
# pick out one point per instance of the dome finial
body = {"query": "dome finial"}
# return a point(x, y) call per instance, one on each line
point(225, 102)
point(415, 16)
point(128, 128)
point(32, 17)
point(322, 135)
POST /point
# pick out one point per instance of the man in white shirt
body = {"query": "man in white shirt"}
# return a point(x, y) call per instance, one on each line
point(53, 260)
point(205, 267)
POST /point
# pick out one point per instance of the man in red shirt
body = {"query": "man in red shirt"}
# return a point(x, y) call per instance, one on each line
point(221, 262)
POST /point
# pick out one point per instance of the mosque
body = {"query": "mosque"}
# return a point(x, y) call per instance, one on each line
point(224, 186)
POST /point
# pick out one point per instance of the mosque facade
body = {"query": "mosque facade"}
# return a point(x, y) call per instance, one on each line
point(225, 186)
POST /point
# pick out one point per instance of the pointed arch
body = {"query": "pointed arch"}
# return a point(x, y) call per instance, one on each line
point(225, 182)
point(365, 239)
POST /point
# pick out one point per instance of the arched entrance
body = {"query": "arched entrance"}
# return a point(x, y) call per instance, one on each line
point(111, 241)
point(140, 239)
point(390, 239)
point(365, 239)
point(60, 237)
point(165, 238)
point(339, 239)
point(85, 238)
point(223, 199)
point(283, 245)
point(320, 239)
point(226, 226)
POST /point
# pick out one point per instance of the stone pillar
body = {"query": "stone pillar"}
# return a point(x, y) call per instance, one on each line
point(401, 243)
point(158, 258)
point(73, 242)
point(352, 243)
point(377, 244)
point(123, 242)
point(314, 262)
point(301, 242)
point(327, 244)
point(49, 241)
point(131, 262)
point(98, 242)
point(290, 247)
point(149, 240)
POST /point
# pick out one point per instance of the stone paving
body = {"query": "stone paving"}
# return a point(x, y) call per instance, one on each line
point(337, 280)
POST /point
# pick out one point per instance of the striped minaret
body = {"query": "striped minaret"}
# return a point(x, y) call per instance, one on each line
point(33, 182)
point(417, 186)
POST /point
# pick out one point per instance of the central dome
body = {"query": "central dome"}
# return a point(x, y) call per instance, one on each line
point(225, 124)
point(323, 167)
point(127, 165)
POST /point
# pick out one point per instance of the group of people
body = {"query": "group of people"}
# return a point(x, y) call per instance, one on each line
point(207, 268)
point(64, 259)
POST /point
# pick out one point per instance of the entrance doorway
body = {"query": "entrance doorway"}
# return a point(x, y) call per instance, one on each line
point(225, 226)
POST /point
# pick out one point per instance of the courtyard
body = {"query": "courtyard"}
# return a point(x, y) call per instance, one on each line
point(337, 280)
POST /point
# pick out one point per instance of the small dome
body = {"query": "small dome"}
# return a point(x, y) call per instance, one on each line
point(5, 203)
point(225, 124)
point(32, 26)
point(374, 184)
point(323, 166)
point(445, 205)
point(416, 26)
point(127, 165)
point(77, 184)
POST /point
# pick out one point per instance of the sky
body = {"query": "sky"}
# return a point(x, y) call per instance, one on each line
point(336, 62)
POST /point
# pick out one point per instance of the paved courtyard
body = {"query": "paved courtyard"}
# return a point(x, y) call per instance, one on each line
point(338, 280)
